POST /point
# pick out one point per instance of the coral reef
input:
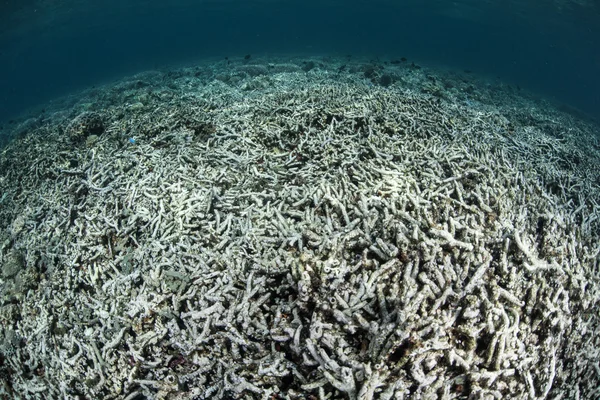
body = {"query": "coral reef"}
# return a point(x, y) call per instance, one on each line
point(316, 237)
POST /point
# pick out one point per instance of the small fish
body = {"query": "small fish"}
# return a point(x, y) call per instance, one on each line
point(131, 140)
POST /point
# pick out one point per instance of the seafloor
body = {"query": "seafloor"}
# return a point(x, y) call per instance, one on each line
point(301, 229)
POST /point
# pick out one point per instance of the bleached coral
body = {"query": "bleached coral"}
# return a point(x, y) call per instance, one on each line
point(337, 242)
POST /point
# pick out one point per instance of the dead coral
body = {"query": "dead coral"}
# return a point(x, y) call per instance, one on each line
point(314, 237)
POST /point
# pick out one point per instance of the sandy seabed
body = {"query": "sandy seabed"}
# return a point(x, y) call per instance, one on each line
point(324, 228)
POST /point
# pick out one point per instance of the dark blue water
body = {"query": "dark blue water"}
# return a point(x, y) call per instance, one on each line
point(51, 48)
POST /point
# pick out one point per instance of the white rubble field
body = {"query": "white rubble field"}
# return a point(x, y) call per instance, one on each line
point(309, 237)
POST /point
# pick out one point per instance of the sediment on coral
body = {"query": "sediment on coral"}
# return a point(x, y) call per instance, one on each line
point(317, 236)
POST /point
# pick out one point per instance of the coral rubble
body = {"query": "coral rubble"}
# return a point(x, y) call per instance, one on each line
point(317, 236)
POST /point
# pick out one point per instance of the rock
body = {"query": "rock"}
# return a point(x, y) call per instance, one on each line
point(85, 124)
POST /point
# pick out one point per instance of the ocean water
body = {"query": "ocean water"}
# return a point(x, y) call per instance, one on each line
point(276, 200)
point(49, 48)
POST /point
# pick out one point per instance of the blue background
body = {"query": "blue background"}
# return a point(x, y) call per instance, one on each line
point(48, 49)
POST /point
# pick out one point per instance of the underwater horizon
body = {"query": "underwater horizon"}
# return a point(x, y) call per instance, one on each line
point(51, 48)
point(283, 200)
